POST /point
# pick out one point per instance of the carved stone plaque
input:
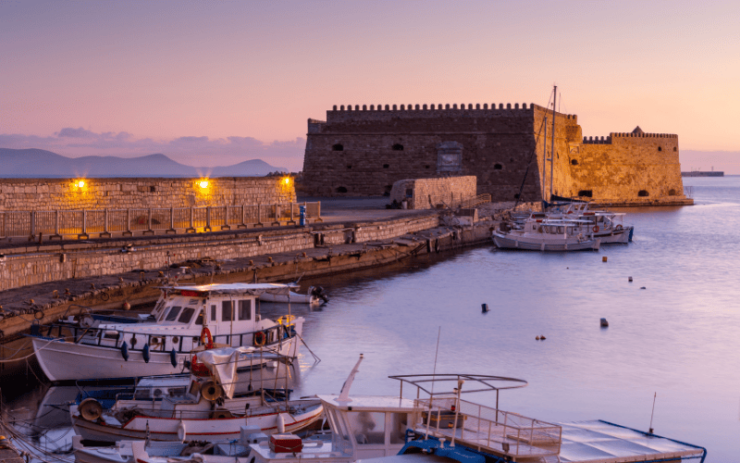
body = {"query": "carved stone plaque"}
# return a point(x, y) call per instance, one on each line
point(449, 156)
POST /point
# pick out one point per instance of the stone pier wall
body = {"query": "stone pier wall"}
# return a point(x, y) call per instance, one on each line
point(135, 193)
point(45, 263)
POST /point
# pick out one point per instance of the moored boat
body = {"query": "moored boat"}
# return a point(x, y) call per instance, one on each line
point(185, 319)
point(542, 234)
point(211, 409)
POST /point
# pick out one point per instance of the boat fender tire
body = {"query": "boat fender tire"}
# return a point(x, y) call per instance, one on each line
point(596, 228)
point(211, 391)
point(205, 338)
point(90, 409)
point(145, 352)
point(173, 358)
point(260, 338)
point(182, 433)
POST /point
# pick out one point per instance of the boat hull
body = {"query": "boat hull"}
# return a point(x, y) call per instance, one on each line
point(67, 361)
point(209, 430)
point(535, 244)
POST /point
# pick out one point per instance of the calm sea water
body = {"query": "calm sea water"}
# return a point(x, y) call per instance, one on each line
point(678, 337)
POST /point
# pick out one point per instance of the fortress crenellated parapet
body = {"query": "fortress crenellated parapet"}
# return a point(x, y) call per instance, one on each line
point(340, 113)
point(608, 140)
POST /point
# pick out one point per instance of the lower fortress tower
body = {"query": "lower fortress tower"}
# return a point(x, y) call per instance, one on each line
point(362, 151)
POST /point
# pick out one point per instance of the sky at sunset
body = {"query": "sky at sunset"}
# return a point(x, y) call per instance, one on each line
point(216, 83)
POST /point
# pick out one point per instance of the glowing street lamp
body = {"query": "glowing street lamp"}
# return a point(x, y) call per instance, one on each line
point(79, 184)
point(286, 181)
point(203, 184)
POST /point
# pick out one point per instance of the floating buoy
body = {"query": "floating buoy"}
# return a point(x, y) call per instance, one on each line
point(604, 323)
point(542, 338)
point(126, 305)
point(537, 338)
point(643, 287)
point(124, 351)
point(629, 279)
point(603, 259)
point(484, 308)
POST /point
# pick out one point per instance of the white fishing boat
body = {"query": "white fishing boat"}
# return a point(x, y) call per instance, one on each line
point(210, 410)
point(542, 234)
point(186, 319)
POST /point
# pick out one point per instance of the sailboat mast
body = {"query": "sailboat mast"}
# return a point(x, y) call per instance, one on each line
point(544, 161)
point(552, 151)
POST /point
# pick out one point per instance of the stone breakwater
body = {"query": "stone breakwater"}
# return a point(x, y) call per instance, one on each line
point(105, 277)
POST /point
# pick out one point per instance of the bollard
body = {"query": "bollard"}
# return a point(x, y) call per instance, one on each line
point(629, 279)
point(604, 323)
point(302, 220)
point(484, 308)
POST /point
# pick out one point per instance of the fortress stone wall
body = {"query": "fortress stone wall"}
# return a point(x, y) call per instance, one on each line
point(362, 151)
point(131, 193)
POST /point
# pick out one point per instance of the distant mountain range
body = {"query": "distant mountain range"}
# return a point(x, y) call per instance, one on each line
point(33, 163)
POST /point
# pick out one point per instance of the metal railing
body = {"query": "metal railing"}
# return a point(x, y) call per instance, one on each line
point(105, 223)
point(489, 428)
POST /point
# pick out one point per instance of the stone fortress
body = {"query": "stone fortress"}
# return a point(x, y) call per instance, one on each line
point(362, 151)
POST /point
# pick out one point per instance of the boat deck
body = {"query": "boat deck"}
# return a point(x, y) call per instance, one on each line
point(490, 430)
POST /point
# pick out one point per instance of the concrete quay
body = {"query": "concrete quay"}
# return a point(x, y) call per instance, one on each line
point(104, 277)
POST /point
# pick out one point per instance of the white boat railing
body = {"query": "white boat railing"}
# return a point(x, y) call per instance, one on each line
point(487, 428)
point(106, 223)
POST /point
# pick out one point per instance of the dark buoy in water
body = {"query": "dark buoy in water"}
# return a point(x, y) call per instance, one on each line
point(542, 338)
point(537, 338)
point(604, 323)
point(629, 279)
point(643, 287)
point(484, 308)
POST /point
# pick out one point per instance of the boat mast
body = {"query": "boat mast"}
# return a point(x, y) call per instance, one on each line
point(544, 161)
point(552, 151)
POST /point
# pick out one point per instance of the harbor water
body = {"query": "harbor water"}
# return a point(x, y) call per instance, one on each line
point(674, 331)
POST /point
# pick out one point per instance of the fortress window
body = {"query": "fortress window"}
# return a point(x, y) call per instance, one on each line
point(660, 148)
point(674, 149)
point(398, 147)
point(341, 189)
point(516, 195)
point(349, 166)
point(574, 162)
point(337, 147)
point(498, 166)
point(427, 166)
point(643, 193)
point(671, 192)
point(587, 193)
point(385, 166)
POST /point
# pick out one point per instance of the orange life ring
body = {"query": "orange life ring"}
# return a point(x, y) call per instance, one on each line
point(197, 368)
point(618, 227)
point(260, 338)
point(206, 334)
point(596, 228)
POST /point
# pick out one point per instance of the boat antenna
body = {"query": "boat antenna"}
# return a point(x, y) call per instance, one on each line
point(652, 413)
point(434, 375)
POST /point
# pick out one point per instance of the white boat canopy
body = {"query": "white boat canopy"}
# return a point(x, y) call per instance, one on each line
point(222, 363)
point(233, 288)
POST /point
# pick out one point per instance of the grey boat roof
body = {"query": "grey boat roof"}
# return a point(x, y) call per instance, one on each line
point(598, 441)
